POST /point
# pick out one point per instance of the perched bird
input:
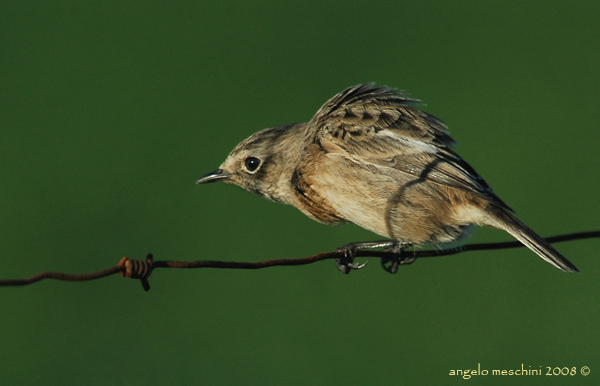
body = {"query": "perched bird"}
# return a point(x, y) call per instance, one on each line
point(370, 157)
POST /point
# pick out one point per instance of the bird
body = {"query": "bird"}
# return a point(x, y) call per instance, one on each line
point(370, 156)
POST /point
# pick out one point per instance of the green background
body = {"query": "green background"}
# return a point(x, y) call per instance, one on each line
point(110, 111)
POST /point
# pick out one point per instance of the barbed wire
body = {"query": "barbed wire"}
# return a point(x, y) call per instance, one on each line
point(139, 269)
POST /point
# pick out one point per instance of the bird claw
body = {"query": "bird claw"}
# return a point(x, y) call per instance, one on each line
point(346, 264)
point(391, 264)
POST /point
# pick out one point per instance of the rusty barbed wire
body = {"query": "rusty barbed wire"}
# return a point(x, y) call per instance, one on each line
point(139, 269)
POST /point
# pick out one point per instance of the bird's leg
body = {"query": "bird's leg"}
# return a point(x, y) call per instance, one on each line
point(391, 264)
point(346, 264)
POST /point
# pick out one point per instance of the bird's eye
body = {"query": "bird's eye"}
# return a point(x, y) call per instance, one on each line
point(252, 164)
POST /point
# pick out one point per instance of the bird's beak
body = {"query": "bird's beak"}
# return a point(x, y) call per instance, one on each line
point(217, 175)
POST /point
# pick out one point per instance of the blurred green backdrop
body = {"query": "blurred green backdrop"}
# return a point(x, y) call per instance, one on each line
point(110, 111)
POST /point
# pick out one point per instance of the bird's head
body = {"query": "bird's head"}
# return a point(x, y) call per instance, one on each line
point(261, 163)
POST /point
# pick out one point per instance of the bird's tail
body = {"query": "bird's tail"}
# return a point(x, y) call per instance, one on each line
point(507, 221)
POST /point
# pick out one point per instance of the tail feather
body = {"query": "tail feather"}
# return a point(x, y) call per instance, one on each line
point(530, 239)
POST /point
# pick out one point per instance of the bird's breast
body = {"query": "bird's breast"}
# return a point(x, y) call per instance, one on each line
point(311, 202)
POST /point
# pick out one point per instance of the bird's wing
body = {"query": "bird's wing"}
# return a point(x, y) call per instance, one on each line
point(379, 125)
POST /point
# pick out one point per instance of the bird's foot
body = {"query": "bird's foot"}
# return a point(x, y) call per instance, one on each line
point(346, 264)
point(391, 264)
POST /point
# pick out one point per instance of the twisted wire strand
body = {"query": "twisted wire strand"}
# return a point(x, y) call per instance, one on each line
point(137, 269)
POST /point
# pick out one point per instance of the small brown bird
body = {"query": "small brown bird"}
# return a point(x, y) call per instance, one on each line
point(369, 157)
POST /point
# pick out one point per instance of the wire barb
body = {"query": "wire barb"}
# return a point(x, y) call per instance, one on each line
point(137, 269)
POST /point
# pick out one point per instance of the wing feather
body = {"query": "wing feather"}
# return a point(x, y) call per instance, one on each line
point(379, 125)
